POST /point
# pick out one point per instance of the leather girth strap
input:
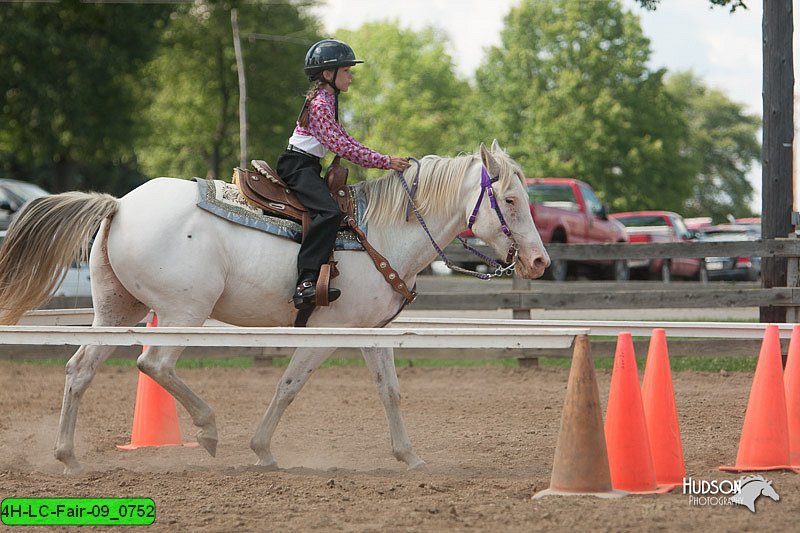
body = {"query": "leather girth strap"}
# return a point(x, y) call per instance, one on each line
point(389, 274)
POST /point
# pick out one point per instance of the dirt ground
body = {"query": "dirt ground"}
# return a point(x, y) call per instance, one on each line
point(488, 436)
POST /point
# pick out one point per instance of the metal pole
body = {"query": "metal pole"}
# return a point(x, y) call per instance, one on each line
point(237, 47)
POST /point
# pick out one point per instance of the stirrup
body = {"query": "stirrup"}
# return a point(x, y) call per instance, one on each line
point(305, 295)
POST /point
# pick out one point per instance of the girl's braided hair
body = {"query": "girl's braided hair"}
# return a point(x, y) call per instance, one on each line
point(316, 85)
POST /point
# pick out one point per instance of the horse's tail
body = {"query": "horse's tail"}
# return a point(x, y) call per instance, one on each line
point(48, 235)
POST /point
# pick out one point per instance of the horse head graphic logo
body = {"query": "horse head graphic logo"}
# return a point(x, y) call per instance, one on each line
point(751, 487)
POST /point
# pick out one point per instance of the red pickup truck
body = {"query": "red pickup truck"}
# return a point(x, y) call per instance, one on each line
point(567, 210)
point(661, 226)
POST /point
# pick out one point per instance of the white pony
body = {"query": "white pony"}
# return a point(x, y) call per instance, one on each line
point(157, 250)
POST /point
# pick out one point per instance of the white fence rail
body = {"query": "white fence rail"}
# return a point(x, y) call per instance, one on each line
point(508, 338)
point(725, 330)
point(685, 338)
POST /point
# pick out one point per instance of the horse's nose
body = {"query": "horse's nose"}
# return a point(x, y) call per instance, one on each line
point(542, 261)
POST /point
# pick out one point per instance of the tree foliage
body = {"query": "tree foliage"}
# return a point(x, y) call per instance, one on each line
point(406, 98)
point(721, 146)
point(193, 121)
point(68, 76)
point(98, 95)
point(734, 4)
point(570, 91)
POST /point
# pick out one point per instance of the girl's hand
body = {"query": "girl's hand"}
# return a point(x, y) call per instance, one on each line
point(400, 163)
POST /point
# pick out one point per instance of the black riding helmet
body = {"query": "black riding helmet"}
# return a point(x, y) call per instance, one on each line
point(328, 54)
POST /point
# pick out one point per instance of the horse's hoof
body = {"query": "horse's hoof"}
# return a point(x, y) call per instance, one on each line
point(208, 442)
point(73, 468)
point(268, 464)
point(419, 464)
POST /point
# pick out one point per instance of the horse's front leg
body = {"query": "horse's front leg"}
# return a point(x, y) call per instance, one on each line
point(380, 362)
point(304, 362)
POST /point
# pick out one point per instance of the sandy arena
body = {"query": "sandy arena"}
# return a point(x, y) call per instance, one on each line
point(488, 436)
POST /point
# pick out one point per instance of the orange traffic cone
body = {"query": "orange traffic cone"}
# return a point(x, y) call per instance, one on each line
point(764, 444)
point(791, 383)
point(661, 413)
point(580, 465)
point(155, 417)
point(626, 430)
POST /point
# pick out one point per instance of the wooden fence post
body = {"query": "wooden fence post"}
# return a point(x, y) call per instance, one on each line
point(520, 284)
point(793, 280)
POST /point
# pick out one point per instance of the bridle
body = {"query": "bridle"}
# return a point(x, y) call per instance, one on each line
point(488, 191)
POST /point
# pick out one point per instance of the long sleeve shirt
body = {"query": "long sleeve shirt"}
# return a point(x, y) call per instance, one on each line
point(325, 133)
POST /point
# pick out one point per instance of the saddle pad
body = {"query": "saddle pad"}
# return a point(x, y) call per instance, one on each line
point(224, 200)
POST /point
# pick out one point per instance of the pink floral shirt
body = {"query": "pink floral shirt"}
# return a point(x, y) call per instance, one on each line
point(323, 127)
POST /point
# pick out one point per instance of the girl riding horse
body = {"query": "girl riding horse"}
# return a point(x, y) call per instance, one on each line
point(318, 131)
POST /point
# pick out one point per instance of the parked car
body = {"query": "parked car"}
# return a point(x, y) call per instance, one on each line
point(750, 224)
point(76, 281)
point(13, 195)
point(733, 268)
point(661, 226)
point(568, 211)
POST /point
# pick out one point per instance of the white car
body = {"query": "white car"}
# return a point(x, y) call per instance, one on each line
point(76, 282)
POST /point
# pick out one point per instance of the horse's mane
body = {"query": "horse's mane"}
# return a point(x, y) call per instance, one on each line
point(438, 190)
point(745, 480)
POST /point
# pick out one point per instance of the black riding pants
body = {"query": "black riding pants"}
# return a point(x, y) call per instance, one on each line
point(302, 174)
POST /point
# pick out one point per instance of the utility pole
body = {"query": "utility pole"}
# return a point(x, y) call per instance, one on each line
point(237, 48)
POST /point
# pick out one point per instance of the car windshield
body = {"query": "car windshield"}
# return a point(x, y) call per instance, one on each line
point(642, 221)
point(24, 191)
point(731, 233)
point(540, 193)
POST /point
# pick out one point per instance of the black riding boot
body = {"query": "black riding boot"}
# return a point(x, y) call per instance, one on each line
point(305, 295)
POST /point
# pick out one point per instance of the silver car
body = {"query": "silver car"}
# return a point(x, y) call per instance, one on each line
point(732, 268)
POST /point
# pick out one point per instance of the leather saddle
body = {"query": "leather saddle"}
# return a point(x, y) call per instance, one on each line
point(265, 189)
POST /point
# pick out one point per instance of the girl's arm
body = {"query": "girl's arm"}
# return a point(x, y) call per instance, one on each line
point(333, 136)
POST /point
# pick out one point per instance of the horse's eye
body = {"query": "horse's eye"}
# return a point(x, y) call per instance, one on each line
point(510, 201)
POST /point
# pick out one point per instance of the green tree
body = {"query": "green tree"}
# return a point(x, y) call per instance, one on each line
point(193, 120)
point(68, 74)
point(570, 92)
point(734, 4)
point(406, 98)
point(722, 144)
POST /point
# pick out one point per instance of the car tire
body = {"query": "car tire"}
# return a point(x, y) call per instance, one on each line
point(620, 271)
point(664, 275)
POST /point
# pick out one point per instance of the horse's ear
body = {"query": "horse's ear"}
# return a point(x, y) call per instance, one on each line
point(496, 146)
point(489, 161)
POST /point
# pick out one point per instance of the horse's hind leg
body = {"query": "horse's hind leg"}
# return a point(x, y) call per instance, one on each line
point(114, 306)
point(380, 362)
point(80, 370)
point(158, 362)
point(303, 363)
